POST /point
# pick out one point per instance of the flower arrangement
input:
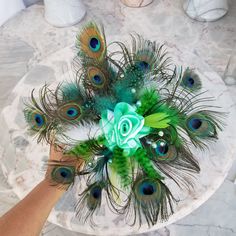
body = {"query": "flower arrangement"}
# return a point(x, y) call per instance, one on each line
point(149, 116)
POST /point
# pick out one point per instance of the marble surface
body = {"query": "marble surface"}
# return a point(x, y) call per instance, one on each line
point(136, 3)
point(211, 42)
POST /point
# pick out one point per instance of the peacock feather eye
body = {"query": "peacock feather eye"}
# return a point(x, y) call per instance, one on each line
point(91, 42)
point(39, 120)
point(63, 174)
point(165, 151)
point(36, 119)
point(94, 197)
point(147, 190)
point(162, 147)
point(96, 192)
point(151, 199)
point(201, 126)
point(194, 123)
point(143, 65)
point(191, 80)
point(146, 58)
point(94, 44)
point(70, 111)
point(96, 77)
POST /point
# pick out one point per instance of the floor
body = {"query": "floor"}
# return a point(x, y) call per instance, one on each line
point(27, 39)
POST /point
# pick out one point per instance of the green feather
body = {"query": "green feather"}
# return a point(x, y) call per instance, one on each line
point(148, 100)
point(146, 164)
point(120, 164)
point(85, 149)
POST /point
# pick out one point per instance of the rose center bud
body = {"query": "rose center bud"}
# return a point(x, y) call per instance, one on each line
point(125, 127)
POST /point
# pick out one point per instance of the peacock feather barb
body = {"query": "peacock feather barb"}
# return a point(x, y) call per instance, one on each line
point(148, 115)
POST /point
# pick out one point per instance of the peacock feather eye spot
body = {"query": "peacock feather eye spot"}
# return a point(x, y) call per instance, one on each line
point(143, 65)
point(190, 82)
point(94, 44)
point(72, 112)
point(195, 123)
point(97, 79)
point(201, 125)
point(147, 188)
point(96, 192)
point(64, 175)
point(39, 120)
point(162, 147)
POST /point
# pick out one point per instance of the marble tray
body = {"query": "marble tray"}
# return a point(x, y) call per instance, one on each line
point(23, 160)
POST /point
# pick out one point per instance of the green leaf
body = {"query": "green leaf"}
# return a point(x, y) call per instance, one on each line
point(157, 120)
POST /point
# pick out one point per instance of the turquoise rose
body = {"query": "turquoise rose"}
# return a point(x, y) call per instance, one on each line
point(123, 128)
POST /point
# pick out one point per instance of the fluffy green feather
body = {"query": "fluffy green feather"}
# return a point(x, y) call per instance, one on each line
point(148, 100)
point(85, 149)
point(146, 164)
point(121, 165)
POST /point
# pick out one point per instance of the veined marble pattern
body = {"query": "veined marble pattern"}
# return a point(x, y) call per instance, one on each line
point(163, 21)
point(137, 3)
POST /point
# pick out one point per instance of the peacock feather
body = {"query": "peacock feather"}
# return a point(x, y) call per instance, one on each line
point(148, 115)
point(149, 201)
point(191, 80)
point(91, 42)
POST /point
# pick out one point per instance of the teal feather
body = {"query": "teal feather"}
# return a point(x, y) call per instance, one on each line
point(124, 91)
point(102, 103)
point(71, 92)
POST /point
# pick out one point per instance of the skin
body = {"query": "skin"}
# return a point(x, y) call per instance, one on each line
point(29, 215)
